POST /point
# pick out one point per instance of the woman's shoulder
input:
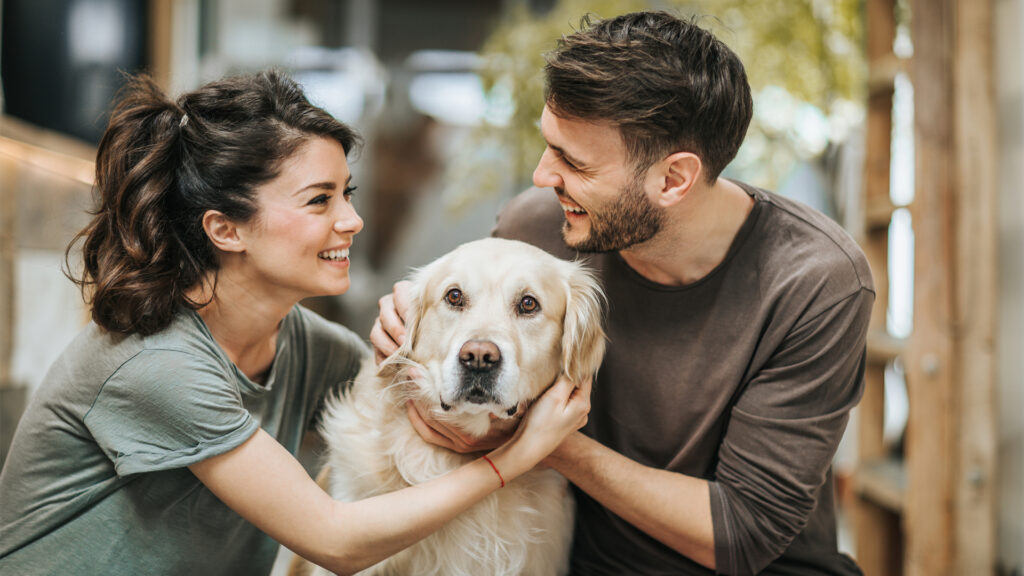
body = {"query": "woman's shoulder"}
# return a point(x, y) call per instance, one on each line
point(320, 333)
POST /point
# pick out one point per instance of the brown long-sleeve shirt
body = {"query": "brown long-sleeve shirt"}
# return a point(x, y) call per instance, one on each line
point(745, 378)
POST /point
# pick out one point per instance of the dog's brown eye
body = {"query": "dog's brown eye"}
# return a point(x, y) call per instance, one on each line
point(454, 298)
point(528, 305)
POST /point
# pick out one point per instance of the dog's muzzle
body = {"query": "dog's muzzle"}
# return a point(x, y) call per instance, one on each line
point(480, 364)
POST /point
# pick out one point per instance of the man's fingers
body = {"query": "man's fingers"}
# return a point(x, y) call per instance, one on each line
point(390, 319)
point(383, 345)
point(402, 292)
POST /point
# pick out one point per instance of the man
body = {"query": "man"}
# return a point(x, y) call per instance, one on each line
point(736, 319)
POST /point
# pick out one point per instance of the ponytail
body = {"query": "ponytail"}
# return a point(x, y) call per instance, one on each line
point(160, 166)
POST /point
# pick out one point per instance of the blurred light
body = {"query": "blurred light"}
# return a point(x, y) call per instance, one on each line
point(446, 87)
point(900, 315)
point(349, 83)
point(775, 108)
point(96, 32)
point(337, 92)
point(811, 130)
point(901, 177)
point(443, 61)
point(451, 97)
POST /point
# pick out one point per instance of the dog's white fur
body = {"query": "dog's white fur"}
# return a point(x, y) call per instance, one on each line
point(526, 527)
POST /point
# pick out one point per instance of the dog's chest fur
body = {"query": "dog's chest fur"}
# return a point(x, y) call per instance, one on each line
point(524, 528)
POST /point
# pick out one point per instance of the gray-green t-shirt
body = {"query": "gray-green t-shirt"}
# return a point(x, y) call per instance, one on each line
point(97, 480)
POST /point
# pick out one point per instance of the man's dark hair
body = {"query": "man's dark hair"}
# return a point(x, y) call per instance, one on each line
point(666, 83)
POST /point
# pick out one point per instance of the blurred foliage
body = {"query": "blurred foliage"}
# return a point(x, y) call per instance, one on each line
point(804, 60)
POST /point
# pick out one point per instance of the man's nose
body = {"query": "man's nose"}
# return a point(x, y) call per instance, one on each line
point(543, 175)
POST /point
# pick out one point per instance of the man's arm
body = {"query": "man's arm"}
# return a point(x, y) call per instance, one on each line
point(672, 508)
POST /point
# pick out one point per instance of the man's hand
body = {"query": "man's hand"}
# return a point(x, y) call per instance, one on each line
point(440, 434)
point(388, 331)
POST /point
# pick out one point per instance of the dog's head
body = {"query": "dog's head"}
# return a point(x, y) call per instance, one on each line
point(491, 325)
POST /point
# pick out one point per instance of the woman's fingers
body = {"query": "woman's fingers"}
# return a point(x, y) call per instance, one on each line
point(425, 431)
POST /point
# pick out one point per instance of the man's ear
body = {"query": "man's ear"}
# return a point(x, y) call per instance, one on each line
point(677, 174)
point(222, 232)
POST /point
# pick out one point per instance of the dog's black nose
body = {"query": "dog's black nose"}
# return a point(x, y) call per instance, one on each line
point(480, 355)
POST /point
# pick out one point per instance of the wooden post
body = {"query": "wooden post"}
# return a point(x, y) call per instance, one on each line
point(161, 18)
point(950, 520)
point(975, 278)
point(876, 525)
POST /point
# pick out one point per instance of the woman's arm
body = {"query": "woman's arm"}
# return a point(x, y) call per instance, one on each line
point(263, 483)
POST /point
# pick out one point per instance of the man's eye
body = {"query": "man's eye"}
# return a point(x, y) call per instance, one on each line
point(566, 161)
point(454, 298)
point(529, 305)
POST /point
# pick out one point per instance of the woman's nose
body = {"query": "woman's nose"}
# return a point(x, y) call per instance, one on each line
point(348, 221)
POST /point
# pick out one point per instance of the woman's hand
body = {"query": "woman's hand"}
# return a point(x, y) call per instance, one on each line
point(388, 331)
point(559, 412)
point(445, 436)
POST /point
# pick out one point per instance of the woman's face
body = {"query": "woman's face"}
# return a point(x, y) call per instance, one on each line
point(297, 244)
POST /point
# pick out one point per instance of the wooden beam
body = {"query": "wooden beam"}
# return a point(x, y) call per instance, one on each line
point(975, 283)
point(952, 440)
point(876, 527)
point(161, 18)
point(931, 362)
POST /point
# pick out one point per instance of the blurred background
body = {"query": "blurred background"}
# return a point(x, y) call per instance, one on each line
point(901, 119)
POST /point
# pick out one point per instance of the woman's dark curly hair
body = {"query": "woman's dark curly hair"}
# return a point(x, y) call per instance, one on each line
point(161, 165)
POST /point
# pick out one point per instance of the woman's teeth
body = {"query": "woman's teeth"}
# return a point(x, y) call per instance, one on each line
point(335, 255)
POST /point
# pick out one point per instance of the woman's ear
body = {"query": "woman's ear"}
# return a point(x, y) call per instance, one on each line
point(222, 232)
point(583, 338)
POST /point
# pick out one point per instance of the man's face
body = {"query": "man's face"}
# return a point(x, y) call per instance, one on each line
point(605, 203)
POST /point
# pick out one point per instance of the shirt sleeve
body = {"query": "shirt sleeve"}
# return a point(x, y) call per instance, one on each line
point(165, 409)
point(336, 351)
point(783, 433)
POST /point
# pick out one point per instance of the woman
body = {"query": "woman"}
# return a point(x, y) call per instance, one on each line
point(162, 441)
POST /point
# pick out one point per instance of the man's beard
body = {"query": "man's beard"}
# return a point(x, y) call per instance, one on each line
point(630, 220)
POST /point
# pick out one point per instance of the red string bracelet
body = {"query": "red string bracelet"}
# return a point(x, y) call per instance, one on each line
point(495, 470)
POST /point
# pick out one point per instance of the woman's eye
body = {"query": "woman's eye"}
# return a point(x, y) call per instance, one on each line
point(529, 305)
point(320, 199)
point(454, 298)
point(350, 190)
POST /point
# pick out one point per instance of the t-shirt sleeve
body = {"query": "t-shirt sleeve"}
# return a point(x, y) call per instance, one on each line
point(165, 409)
point(336, 352)
point(783, 433)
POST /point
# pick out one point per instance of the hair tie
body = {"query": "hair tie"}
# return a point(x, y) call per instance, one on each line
point(184, 121)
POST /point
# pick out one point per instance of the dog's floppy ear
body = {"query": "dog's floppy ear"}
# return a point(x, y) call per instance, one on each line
point(583, 338)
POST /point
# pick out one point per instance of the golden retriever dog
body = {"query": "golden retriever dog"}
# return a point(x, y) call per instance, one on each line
point(490, 326)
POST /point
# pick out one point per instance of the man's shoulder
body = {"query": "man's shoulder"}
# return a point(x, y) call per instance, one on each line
point(534, 216)
point(799, 235)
